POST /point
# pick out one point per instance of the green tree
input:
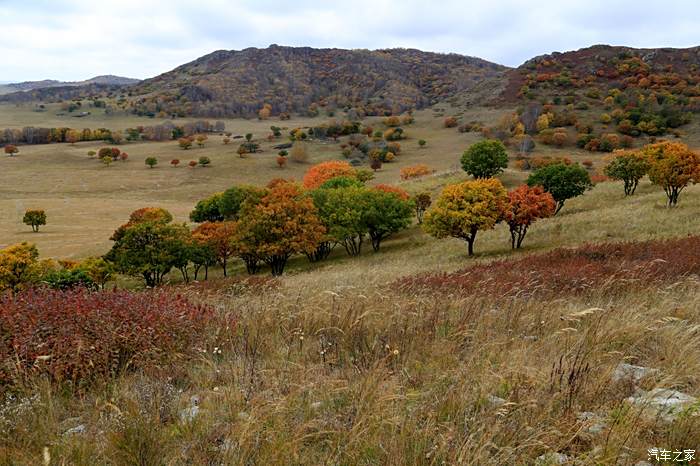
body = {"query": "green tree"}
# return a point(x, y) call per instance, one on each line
point(341, 211)
point(464, 209)
point(149, 249)
point(561, 181)
point(151, 162)
point(485, 159)
point(208, 209)
point(629, 167)
point(233, 198)
point(386, 213)
point(34, 218)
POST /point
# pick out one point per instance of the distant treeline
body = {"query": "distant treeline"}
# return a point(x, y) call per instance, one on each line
point(162, 132)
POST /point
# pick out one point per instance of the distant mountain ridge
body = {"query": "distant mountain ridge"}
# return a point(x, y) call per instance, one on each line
point(109, 79)
point(302, 79)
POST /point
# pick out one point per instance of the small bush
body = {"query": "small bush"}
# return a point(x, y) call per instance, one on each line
point(450, 122)
point(415, 171)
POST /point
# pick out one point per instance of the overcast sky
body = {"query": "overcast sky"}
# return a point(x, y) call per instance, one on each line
point(77, 39)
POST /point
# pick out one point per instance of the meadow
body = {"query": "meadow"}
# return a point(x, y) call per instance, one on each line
point(339, 362)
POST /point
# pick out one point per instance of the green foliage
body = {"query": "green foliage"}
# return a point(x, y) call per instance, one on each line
point(485, 159)
point(233, 198)
point(151, 162)
point(386, 213)
point(204, 161)
point(208, 209)
point(341, 211)
point(34, 218)
point(561, 181)
point(341, 182)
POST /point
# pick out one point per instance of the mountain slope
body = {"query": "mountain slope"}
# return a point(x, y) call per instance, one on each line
point(299, 79)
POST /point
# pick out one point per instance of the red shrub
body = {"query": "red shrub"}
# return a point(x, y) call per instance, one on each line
point(566, 271)
point(77, 336)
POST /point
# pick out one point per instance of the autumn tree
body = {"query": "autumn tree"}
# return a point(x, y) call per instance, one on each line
point(464, 209)
point(562, 181)
point(265, 112)
point(673, 166)
point(34, 218)
point(421, 202)
point(201, 139)
point(175, 162)
point(18, 266)
point(525, 205)
point(629, 167)
point(485, 159)
point(184, 143)
point(299, 152)
point(284, 222)
point(219, 237)
point(319, 174)
point(11, 150)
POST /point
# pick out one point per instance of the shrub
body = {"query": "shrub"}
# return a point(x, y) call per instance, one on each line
point(673, 166)
point(192, 163)
point(281, 161)
point(629, 167)
point(415, 171)
point(399, 192)
point(485, 159)
point(375, 164)
point(11, 150)
point(464, 209)
point(204, 161)
point(151, 162)
point(525, 206)
point(299, 153)
point(318, 174)
point(175, 162)
point(450, 122)
point(422, 143)
point(588, 164)
point(76, 336)
point(226, 140)
point(392, 121)
point(91, 153)
point(185, 143)
point(124, 156)
point(34, 218)
point(561, 181)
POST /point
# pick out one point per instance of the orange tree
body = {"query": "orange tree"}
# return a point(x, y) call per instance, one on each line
point(525, 206)
point(319, 174)
point(628, 167)
point(218, 238)
point(464, 209)
point(11, 150)
point(284, 222)
point(673, 166)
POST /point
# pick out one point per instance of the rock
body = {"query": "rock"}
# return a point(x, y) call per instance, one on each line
point(79, 429)
point(495, 400)
point(552, 458)
point(188, 414)
point(316, 405)
point(625, 371)
point(596, 424)
point(662, 402)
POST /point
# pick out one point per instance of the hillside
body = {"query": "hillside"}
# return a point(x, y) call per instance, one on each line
point(300, 79)
point(109, 79)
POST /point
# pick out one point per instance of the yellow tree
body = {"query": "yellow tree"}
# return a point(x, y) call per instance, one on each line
point(464, 209)
point(673, 166)
point(18, 266)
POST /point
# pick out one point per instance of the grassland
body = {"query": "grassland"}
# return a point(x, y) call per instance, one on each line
point(331, 363)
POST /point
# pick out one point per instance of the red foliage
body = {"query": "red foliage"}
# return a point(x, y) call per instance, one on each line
point(77, 336)
point(566, 271)
point(387, 188)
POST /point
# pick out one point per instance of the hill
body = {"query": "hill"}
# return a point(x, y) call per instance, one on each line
point(109, 79)
point(301, 79)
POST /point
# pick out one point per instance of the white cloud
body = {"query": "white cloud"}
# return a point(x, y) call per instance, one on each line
point(76, 39)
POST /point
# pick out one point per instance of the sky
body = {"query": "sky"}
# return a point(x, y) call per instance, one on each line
point(79, 39)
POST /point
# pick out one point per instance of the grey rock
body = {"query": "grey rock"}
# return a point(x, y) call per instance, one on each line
point(495, 400)
point(189, 414)
point(595, 423)
point(662, 402)
point(79, 429)
point(625, 371)
point(552, 458)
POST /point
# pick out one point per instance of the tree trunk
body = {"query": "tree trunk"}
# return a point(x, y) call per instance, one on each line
point(353, 245)
point(560, 204)
point(321, 252)
point(277, 264)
